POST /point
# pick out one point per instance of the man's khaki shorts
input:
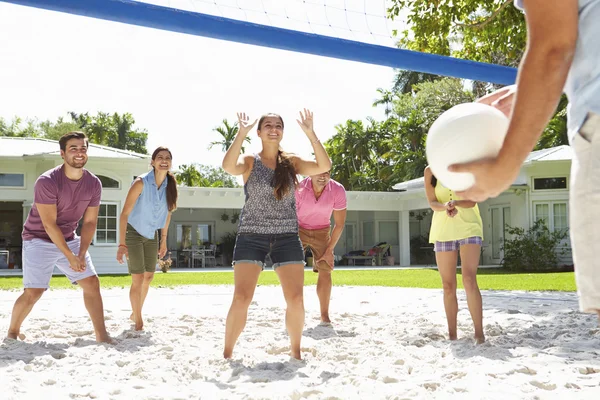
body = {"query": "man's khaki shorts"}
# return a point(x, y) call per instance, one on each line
point(317, 240)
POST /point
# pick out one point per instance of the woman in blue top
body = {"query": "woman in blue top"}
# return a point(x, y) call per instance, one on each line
point(148, 207)
point(268, 222)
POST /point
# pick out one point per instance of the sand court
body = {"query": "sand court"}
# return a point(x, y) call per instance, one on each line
point(385, 343)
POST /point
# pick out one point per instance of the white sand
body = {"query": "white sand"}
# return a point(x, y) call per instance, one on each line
point(386, 343)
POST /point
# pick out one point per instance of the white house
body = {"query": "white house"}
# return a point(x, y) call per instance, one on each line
point(541, 191)
point(393, 217)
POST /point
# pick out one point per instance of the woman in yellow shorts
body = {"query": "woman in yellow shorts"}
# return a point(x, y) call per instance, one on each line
point(456, 226)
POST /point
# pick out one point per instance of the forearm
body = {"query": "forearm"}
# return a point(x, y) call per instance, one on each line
point(542, 76)
point(165, 230)
point(123, 227)
point(87, 234)
point(321, 157)
point(336, 233)
point(233, 154)
point(492, 97)
point(58, 239)
point(437, 206)
point(464, 203)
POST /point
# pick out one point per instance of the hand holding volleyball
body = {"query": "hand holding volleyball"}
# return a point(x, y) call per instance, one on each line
point(466, 133)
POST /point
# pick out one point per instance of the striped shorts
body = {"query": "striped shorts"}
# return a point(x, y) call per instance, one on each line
point(454, 245)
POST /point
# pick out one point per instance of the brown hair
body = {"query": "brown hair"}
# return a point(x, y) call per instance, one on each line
point(433, 180)
point(284, 179)
point(171, 182)
point(62, 142)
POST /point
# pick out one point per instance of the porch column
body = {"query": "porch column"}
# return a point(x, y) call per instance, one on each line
point(26, 208)
point(404, 238)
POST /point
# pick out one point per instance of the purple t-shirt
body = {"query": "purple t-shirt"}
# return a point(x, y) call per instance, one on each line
point(72, 198)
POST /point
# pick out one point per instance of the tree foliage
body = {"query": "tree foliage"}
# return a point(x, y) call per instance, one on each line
point(198, 175)
point(113, 130)
point(228, 133)
point(378, 155)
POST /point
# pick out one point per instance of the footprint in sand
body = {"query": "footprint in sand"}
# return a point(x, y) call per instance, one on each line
point(431, 386)
point(542, 385)
point(58, 355)
point(304, 395)
point(455, 375)
point(278, 350)
point(81, 333)
point(588, 371)
point(572, 386)
point(524, 370)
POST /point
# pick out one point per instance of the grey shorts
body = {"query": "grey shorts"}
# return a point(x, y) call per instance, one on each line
point(40, 257)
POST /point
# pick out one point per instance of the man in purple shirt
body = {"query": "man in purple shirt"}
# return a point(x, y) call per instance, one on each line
point(317, 198)
point(62, 196)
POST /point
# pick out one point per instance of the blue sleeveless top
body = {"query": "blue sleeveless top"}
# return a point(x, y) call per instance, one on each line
point(151, 210)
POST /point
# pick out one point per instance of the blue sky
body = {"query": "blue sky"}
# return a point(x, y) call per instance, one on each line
point(178, 87)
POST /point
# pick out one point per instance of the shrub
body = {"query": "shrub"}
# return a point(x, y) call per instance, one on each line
point(536, 249)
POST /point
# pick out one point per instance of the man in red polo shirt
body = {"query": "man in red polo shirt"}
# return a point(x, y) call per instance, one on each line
point(317, 198)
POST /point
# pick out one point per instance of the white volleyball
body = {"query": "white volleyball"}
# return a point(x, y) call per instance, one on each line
point(466, 132)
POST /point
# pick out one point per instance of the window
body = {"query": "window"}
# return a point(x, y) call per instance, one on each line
point(108, 183)
point(554, 214)
point(549, 183)
point(388, 232)
point(204, 234)
point(368, 234)
point(184, 236)
point(106, 231)
point(12, 180)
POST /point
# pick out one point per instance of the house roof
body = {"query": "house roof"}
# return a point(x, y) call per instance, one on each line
point(558, 153)
point(27, 147)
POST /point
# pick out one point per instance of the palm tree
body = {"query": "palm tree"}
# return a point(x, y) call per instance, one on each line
point(188, 175)
point(228, 133)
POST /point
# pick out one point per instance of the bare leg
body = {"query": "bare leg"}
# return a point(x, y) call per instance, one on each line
point(324, 284)
point(446, 262)
point(148, 277)
point(21, 310)
point(93, 303)
point(291, 277)
point(469, 255)
point(135, 297)
point(245, 277)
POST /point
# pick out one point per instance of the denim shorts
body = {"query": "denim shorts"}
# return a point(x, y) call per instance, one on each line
point(283, 249)
point(454, 245)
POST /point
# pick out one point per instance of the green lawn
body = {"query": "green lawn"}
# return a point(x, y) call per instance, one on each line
point(494, 279)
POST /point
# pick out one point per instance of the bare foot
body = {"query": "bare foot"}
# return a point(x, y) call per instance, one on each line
point(452, 336)
point(296, 354)
point(479, 339)
point(139, 326)
point(227, 354)
point(15, 335)
point(325, 318)
point(105, 338)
